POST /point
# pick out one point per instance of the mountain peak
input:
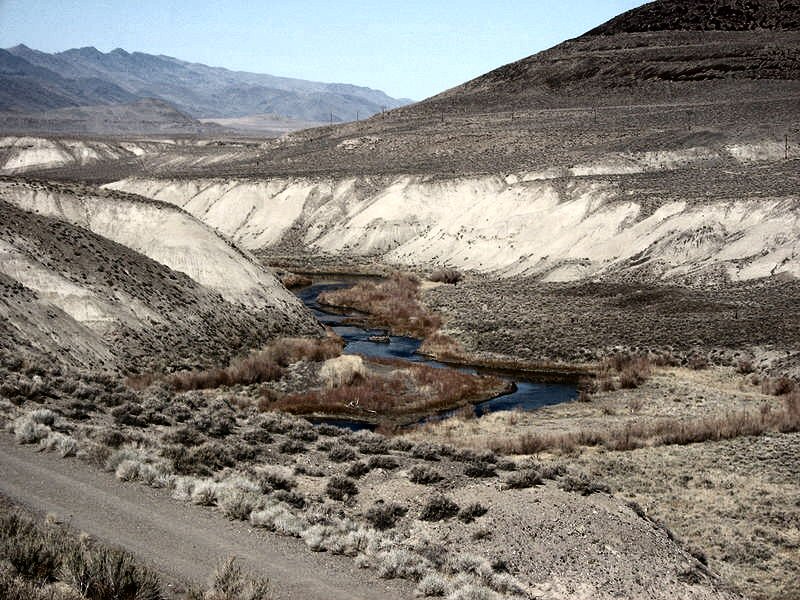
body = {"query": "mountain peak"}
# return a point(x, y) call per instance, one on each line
point(705, 15)
point(86, 51)
point(120, 52)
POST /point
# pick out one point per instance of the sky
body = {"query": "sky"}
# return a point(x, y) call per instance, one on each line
point(407, 48)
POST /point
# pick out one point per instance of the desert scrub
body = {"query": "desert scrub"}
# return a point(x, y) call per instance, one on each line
point(27, 430)
point(50, 562)
point(341, 488)
point(438, 508)
point(480, 469)
point(521, 480)
point(229, 582)
point(583, 485)
point(387, 463)
point(237, 504)
point(259, 367)
point(402, 563)
point(424, 475)
point(291, 447)
point(270, 479)
point(384, 516)
point(471, 512)
point(341, 453)
point(357, 469)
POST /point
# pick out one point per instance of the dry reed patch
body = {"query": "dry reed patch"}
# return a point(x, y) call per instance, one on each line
point(392, 303)
point(663, 432)
point(416, 389)
point(259, 367)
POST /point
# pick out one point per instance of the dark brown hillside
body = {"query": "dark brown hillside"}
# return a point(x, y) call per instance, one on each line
point(706, 15)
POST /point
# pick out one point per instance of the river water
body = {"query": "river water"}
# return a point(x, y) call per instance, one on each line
point(528, 395)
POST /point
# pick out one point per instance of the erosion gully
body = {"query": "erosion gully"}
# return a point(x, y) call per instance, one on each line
point(528, 392)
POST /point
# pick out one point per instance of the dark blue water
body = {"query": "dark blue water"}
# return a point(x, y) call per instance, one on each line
point(528, 395)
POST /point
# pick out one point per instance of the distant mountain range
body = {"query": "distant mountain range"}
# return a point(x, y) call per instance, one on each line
point(32, 81)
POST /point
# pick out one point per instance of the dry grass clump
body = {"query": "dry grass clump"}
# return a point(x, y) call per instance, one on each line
point(416, 389)
point(664, 432)
point(623, 370)
point(45, 560)
point(230, 582)
point(524, 479)
point(442, 347)
point(392, 303)
point(259, 367)
point(777, 386)
point(294, 280)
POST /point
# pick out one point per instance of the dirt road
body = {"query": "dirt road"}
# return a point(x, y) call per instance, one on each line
point(183, 542)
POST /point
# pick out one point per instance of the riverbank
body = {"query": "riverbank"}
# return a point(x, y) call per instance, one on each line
point(719, 468)
point(397, 304)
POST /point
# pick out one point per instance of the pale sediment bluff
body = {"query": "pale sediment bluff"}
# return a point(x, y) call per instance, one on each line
point(159, 231)
point(20, 154)
point(560, 224)
point(107, 280)
point(24, 154)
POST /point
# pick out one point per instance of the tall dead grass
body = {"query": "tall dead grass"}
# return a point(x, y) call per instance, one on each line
point(663, 432)
point(259, 367)
point(416, 389)
point(392, 303)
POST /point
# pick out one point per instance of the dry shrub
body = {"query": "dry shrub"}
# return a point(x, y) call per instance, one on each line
point(630, 372)
point(229, 582)
point(294, 280)
point(392, 302)
point(415, 389)
point(442, 347)
point(785, 419)
point(258, 367)
point(450, 276)
point(777, 386)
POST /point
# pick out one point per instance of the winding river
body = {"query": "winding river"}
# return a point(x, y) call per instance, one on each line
point(527, 395)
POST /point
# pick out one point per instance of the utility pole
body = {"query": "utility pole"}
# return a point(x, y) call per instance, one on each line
point(357, 119)
point(331, 118)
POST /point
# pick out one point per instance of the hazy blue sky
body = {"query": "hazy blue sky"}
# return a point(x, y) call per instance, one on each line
point(411, 48)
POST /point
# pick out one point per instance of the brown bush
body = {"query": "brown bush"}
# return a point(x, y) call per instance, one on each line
point(392, 302)
point(777, 386)
point(450, 276)
point(664, 432)
point(259, 367)
point(414, 389)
